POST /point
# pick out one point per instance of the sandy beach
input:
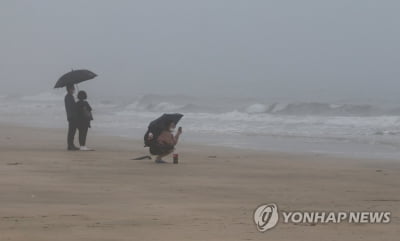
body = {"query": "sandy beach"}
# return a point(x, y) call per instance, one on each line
point(48, 193)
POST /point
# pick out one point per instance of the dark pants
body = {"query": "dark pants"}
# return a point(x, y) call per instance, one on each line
point(83, 130)
point(71, 133)
point(158, 149)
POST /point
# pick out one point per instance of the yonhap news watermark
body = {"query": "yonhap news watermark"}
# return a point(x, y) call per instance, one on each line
point(267, 216)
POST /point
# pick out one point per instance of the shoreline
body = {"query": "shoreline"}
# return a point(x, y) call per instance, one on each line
point(294, 142)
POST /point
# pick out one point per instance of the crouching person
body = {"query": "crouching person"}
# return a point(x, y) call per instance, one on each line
point(165, 142)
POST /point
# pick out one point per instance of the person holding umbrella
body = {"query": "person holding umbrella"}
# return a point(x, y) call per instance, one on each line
point(68, 80)
point(72, 116)
point(159, 136)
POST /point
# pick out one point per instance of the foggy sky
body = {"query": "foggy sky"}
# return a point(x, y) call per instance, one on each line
point(305, 49)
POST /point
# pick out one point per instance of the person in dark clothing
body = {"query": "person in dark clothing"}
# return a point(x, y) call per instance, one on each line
point(165, 142)
point(70, 108)
point(84, 118)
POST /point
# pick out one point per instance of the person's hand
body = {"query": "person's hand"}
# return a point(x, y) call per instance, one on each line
point(179, 130)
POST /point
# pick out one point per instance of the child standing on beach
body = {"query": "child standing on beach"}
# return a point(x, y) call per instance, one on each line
point(84, 118)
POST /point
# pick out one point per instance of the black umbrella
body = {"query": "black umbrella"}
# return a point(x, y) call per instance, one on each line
point(75, 77)
point(159, 124)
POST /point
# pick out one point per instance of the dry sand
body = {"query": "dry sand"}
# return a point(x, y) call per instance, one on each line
point(47, 193)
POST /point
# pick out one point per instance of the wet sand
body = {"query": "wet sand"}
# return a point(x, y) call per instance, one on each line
point(47, 193)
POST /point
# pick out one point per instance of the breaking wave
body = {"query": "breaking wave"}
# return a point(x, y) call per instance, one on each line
point(221, 117)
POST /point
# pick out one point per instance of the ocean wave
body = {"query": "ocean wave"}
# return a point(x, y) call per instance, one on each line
point(321, 109)
point(225, 120)
point(254, 119)
point(314, 108)
point(181, 103)
point(256, 108)
point(43, 97)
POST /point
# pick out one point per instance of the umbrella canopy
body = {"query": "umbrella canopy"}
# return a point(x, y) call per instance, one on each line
point(159, 124)
point(75, 77)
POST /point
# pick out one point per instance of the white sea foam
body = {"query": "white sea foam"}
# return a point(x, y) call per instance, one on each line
point(44, 96)
point(257, 108)
point(251, 121)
